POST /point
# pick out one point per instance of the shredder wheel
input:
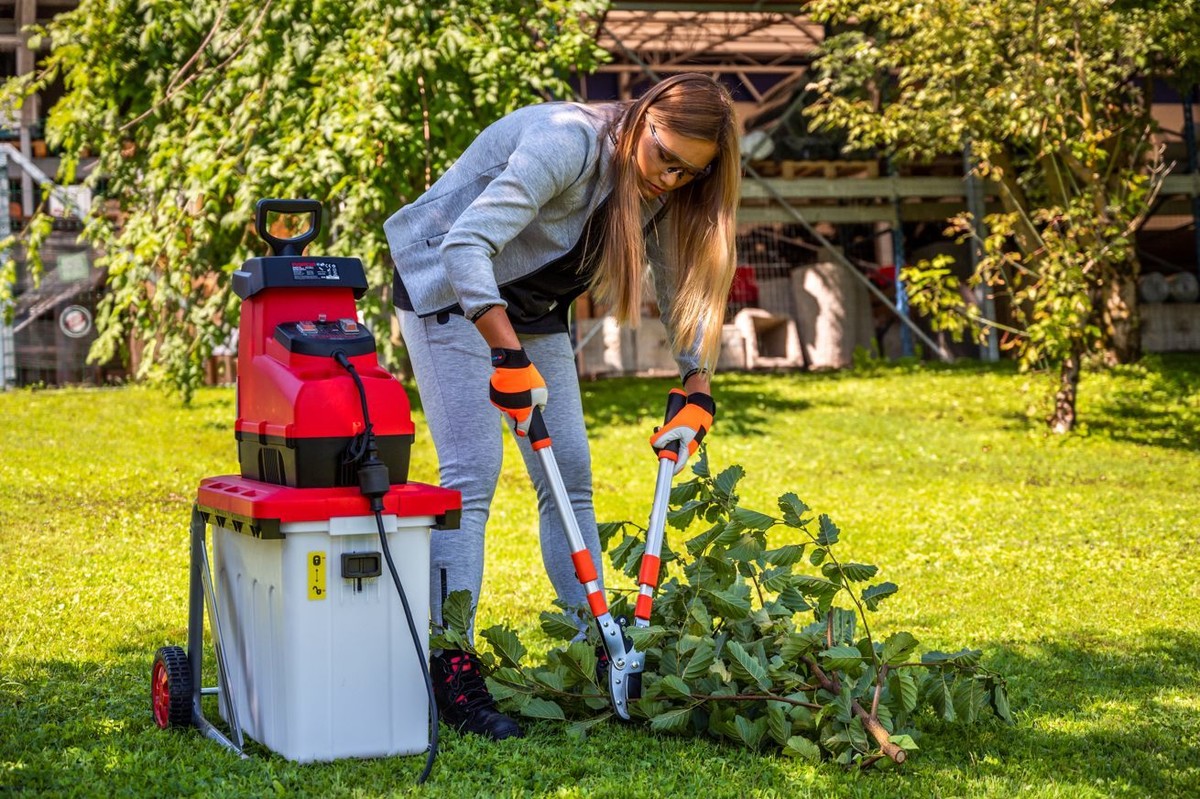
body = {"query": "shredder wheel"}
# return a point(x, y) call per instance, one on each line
point(171, 688)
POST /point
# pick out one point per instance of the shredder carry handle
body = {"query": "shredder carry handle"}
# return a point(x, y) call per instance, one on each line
point(296, 244)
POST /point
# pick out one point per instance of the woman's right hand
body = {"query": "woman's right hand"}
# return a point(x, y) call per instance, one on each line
point(516, 387)
point(688, 426)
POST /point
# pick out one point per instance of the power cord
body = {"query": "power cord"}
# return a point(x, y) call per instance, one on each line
point(373, 482)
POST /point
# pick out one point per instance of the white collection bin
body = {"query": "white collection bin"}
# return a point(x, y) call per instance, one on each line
point(323, 666)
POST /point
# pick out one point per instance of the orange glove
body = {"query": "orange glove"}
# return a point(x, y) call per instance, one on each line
point(516, 387)
point(688, 426)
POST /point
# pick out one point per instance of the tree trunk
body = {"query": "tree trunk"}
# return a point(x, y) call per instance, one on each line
point(1063, 419)
point(1119, 316)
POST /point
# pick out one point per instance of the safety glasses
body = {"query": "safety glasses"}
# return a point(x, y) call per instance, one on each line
point(666, 154)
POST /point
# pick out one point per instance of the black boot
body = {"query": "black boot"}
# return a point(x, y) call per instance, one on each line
point(462, 697)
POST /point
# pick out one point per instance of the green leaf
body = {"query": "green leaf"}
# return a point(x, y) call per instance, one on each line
point(747, 549)
point(450, 639)
point(829, 532)
point(970, 697)
point(539, 708)
point(858, 572)
point(553, 678)
point(858, 735)
point(733, 603)
point(675, 687)
point(750, 732)
point(680, 518)
point(872, 596)
point(999, 701)
point(941, 698)
point(777, 580)
point(721, 671)
point(815, 586)
point(702, 658)
point(559, 626)
point(801, 747)
point(505, 644)
point(793, 510)
point(685, 492)
point(747, 667)
point(963, 657)
point(779, 725)
point(904, 688)
point(607, 530)
point(676, 720)
point(843, 706)
point(644, 638)
point(698, 614)
point(905, 742)
point(753, 520)
point(797, 645)
point(818, 556)
point(502, 691)
point(793, 600)
point(840, 658)
point(731, 532)
point(785, 556)
point(842, 625)
point(703, 541)
point(579, 659)
point(898, 647)
point(579, 729)
point(457, 611)
point(628, 555)
point(727, 481)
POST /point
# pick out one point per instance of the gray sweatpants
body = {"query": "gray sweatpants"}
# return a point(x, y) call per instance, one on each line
point(452, 365)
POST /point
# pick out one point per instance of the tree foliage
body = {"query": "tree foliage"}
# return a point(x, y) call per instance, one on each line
point(1053, 98)
point(744, 645)
point(196, 110)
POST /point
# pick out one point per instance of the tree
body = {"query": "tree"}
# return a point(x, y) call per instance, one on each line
point(196, 110)
point(1053, 99)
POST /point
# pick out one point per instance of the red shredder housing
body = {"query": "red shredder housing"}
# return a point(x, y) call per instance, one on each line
point(298, 410)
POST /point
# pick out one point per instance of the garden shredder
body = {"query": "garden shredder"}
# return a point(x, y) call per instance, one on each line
point(312, 653)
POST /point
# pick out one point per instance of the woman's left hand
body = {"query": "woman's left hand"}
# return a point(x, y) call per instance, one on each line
point(688, 426)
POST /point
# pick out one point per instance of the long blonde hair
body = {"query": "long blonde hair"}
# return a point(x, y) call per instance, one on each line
point(701, 215)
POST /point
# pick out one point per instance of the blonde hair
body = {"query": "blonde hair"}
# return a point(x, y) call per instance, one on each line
point(701, 215)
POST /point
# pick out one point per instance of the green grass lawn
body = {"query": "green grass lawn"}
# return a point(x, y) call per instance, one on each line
point(1072, 562)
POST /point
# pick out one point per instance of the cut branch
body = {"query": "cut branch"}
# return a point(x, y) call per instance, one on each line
point(881, 735)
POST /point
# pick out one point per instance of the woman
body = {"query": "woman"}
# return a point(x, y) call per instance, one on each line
point(550, 201)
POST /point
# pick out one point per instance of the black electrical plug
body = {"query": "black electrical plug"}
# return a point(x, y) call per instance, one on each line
point(373, 479)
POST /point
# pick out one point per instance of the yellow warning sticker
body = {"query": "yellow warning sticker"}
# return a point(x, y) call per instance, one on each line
point(316, 575)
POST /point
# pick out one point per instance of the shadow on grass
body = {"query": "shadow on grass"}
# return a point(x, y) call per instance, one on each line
point(1157, 403)
point(1109, 716)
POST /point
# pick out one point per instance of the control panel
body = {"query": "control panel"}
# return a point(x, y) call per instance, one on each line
point(324, 337)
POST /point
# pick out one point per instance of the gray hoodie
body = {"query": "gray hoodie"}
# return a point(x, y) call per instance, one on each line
point(516, 200)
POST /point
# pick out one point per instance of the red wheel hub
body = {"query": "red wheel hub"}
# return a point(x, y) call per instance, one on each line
point(160, 690)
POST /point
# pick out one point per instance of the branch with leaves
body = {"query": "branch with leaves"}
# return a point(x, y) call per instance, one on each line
point(743, 646)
